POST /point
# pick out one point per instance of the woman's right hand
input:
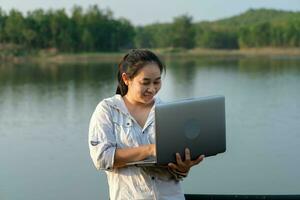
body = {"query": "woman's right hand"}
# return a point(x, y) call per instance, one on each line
point(132, 154)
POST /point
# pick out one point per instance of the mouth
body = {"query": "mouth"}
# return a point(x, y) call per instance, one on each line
point(149, 95)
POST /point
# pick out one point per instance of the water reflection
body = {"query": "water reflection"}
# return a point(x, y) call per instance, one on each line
point(183, 76)
point(183, 72)
point(268, 67)
point(27, 73)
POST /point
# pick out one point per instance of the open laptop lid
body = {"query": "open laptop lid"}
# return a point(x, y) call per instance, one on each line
point(198, 124)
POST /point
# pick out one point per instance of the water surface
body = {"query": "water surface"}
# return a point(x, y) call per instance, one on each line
point(45, 111)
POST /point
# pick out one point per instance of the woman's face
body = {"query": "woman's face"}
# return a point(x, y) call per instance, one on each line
point(145, 84)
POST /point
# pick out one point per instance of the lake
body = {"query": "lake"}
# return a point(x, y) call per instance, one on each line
point(45, 111)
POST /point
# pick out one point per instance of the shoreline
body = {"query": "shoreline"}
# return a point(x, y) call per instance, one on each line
point(249, 52)
point(164, 53)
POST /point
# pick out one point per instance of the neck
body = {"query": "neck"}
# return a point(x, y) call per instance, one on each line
point(132, 103)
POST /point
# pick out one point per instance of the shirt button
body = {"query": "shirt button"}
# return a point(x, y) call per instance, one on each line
point(152, 177)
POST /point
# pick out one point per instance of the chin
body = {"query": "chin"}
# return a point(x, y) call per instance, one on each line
point(147, 99)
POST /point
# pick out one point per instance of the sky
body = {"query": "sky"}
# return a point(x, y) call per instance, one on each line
point(142, 12)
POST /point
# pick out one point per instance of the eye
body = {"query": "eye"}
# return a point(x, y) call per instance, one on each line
point(145, 83)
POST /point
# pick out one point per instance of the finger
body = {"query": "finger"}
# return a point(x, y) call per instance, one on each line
point(178, 159)
point(198, 160)
point(173, 166)
point(154, 150)
point(187, 154)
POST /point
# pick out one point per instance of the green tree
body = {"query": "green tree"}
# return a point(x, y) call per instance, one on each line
point(183, 34)
point(143, 38)
point(262, 34)
point(14, 27)
point(292, 33)
point(154, 36)
point(206, 37)
point(122, 36)
point(60, 27)
point(2, 25)
point(77, 31)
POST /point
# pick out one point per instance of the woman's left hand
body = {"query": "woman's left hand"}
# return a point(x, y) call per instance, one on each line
point(184, 166)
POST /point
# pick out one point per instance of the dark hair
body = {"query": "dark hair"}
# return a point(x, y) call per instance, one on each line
point(131, 63)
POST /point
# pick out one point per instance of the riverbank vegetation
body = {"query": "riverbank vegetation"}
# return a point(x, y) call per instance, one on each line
point(53, 32)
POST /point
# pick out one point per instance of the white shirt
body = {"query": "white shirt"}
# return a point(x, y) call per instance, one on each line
point(112, 127)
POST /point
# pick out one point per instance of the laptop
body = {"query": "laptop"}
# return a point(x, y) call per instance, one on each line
point(197, 124)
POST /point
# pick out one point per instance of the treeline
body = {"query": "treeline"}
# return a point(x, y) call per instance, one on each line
point(90, 30)
point(254, 28)
point(95, 29)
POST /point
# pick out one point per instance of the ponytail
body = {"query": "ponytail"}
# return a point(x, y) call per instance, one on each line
point(122, 88)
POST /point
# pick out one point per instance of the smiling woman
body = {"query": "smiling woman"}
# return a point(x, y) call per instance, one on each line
point(140, 75)
point(121, 132)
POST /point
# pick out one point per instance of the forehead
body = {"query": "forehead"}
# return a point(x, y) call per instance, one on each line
point(150, 70)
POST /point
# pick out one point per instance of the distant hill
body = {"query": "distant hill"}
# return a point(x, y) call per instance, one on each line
point(253, 28)
point(252, 17)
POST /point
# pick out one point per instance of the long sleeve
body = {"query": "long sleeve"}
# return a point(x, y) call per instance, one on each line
point(102, 141)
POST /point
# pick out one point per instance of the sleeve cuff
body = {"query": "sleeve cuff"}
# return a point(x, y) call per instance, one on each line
point(110, 158)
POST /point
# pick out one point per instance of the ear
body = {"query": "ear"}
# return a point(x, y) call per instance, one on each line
point(125, 78)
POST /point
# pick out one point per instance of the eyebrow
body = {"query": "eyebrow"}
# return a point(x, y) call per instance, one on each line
point(148, 79)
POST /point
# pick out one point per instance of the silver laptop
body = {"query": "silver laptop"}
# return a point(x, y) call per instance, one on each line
point(198, 124)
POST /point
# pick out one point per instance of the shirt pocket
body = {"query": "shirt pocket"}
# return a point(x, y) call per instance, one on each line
point(123, 128)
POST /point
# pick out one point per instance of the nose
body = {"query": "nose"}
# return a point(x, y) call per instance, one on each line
point(151, 89)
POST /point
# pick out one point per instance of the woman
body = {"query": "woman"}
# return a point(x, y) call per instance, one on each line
point(122, 131)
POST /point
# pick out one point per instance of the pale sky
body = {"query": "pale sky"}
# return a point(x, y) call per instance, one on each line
point(141, 12)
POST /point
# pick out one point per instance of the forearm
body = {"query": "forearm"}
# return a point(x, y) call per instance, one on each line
point(126, 155)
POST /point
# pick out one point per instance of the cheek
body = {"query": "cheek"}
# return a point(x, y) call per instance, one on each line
point(140, 89)
point(158, 87)
point(135, 87)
